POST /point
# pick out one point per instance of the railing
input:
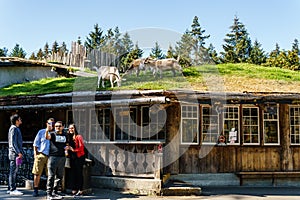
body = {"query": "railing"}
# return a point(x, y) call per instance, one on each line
point(25, 171)
point(80, 57)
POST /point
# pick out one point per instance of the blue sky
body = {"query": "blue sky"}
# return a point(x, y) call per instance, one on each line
point(32, 23)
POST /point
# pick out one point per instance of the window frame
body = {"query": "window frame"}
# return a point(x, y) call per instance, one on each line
point(231, 119)
point(250, 125)
point(196, 120)
point(203, 124)
point(271, 120)
point(294, 125)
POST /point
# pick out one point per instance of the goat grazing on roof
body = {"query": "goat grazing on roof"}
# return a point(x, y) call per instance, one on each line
point(108, 73)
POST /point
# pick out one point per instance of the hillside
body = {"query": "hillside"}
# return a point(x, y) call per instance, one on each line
point(214, 78)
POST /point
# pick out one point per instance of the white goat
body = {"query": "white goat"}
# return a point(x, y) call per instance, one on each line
point(108, 73)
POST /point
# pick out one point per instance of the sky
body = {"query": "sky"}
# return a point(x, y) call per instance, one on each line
point(32, 23)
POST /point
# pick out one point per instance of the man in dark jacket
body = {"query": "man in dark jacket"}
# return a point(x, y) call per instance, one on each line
point(15, 143)
point(56, 160)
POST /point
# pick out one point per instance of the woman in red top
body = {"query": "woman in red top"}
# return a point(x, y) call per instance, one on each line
point(77, 160)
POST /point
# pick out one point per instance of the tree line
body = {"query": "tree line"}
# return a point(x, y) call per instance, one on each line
point(192, 49)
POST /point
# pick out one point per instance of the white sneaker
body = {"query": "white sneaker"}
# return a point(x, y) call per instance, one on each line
point(16, 193)
point(8, 192)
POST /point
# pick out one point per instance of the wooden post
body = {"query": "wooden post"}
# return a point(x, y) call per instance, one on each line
point(284, 128)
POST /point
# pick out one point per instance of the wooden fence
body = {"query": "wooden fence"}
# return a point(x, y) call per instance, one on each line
point(80, 57)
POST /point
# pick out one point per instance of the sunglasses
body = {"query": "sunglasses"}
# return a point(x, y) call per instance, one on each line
point(58, 126)
point(51, 123)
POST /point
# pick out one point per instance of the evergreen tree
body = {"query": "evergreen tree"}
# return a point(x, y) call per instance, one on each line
point(295, 47)
point(238, 44)
point(184, 49)
point(95, 39)
point(32, 56)
point(79, 40)
point(127, 44)
point(156, 52)
point(46, 51)
point(134, 54)
point(213, 54)
point(257, 55)
point(108, 44)
point(199, 38)
point(54, 47)
point(18, 51)
point(170, 52)
point(3, 52)
point(63, 48)
point(40, 54)
point(293, 62)
point(272, 59)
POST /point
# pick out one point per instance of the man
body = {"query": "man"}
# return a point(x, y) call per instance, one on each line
point(41, 147)
point(56, 160)
point(15, 143)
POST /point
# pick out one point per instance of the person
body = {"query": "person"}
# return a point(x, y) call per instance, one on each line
point(77, 157)
point(41, 147)
point(56, 160)
point(15, 144)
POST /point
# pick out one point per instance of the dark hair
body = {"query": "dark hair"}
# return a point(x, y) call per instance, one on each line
point(75, 129)
point(14, 118)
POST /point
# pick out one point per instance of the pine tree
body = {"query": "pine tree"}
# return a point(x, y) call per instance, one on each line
point(295, 47)
point(184, 49)
point(199, 38)
point(63, 48)
point(134, 54)
point(170, 52)
point(213, 54)
point(293, 62)
point(272, 59)
point(156, 52)
point(18, 51)
point(238, 44)
point(95, 39)
point(257, 55)
point(40, 54)
point(46, 52)
point(3, 52)
point(108, 44)
point(33, 57)
point(79, 40)
point(54, 47)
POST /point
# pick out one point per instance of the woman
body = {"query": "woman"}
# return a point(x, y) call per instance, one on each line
point(77, 160)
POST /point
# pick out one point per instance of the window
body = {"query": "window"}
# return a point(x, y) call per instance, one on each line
point(153, 124)
point(250, 127)
point(99, 124)
point(77, 116)
point(231, 124)
point(295, 124)
point(189, 124)
point(210, 125)
point(271, 125)
point(126, 127)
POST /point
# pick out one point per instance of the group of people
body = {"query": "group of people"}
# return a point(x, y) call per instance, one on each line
point(49, 147)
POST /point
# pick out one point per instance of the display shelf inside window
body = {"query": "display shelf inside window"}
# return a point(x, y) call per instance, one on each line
point(231, 125)
point(250, 126)
point(271, 125)
point(294, 125)
point(210, 125)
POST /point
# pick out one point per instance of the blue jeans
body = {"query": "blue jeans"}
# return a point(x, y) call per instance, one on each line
point(56, 170)
point(13, 170)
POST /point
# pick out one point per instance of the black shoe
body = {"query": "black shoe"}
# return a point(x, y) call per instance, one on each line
point(35, 193)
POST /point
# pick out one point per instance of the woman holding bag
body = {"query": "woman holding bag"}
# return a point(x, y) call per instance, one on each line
point(77, 160)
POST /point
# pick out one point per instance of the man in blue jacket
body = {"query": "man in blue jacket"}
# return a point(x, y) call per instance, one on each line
point(41, 147)
point(15, 144)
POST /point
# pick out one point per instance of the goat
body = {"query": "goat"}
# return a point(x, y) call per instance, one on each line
point(163, 65)
point(108, 73)
point(137, 65)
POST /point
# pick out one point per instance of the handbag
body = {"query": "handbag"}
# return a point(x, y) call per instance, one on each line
point(68, 163)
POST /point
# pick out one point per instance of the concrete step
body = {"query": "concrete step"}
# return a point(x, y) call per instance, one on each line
point(211, 179)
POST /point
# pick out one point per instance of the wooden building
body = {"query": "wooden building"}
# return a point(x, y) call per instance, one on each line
point(255, 137)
